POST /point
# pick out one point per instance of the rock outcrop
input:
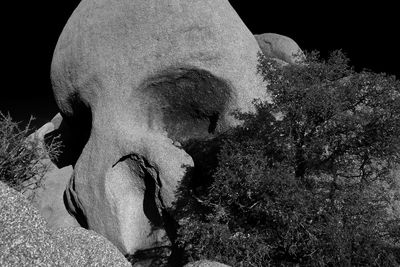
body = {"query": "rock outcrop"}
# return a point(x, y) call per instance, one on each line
point(135, 80)
point(280, 47)
point(25, 239)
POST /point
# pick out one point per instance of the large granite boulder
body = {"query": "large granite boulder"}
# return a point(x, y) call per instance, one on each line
point(135, 80)
point(280, 47)
point(25, 239)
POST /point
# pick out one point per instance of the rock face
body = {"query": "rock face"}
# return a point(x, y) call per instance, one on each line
point(135, 80)
point(25, 239)
point(280, 47)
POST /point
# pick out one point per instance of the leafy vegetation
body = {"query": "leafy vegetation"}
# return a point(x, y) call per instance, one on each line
point(22, 159)
point(308, 179)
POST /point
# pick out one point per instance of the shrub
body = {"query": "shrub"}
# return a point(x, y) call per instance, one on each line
point(304, 180)
point(22, 159)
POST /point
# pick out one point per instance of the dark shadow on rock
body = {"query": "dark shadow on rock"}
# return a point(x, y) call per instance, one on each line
point(73, 132)
point(193, 101)
point(73, 207)
point(153, 209)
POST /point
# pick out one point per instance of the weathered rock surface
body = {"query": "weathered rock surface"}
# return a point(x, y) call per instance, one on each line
point(280, 47)
point(133, 80)
point(25, 239)
point(87, 248)
point(205, 263)
point(49, 199)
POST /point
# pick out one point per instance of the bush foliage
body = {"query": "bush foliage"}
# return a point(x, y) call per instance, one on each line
point(22, 159)
point(306, 180)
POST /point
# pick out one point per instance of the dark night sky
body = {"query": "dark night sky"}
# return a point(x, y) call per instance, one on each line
point(368, 33)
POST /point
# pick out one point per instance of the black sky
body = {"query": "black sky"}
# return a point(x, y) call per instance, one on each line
point(367, 33)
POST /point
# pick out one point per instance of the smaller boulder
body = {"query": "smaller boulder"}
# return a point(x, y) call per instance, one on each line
point(280, 47)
